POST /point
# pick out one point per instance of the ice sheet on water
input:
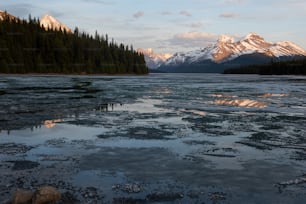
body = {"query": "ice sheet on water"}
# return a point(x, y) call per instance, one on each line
point(196, 128)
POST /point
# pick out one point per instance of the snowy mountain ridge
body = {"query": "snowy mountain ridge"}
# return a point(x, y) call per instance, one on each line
point(47, 22)
point(227, 49)
point(4, 15)
point(153, 60)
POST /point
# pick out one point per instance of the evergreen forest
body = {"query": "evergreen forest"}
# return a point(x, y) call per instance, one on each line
point(26, 47)
point(291, 67)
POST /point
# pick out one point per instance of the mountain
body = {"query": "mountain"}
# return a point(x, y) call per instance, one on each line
point(227, 53)
point(4, 14)
point(153, 60)
point(30, 48)
point(49, 22)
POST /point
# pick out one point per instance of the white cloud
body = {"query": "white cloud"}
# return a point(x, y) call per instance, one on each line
point(138, 14)
point(193, 39)
point(185, 13)
point(229, 15)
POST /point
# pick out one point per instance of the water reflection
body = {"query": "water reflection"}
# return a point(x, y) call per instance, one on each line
point(267, 95)
point(196, 112)
point(51, 123)
point(186, 129)
point(221, 95)
point(246, 103)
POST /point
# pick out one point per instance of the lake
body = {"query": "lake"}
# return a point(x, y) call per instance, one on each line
point(161, 138)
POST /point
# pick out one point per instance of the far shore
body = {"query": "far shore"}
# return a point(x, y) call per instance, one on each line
point(72, 74)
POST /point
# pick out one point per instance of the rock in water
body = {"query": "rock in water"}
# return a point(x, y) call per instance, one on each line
point(46, 194)
point(22, 197)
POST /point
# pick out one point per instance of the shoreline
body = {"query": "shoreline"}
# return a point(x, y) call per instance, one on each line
point(72, 74)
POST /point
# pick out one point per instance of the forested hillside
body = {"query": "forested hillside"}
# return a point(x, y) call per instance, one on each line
point(26, 47)
point(292, 67)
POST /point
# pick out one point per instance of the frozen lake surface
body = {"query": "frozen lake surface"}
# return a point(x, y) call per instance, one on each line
point(161, 138)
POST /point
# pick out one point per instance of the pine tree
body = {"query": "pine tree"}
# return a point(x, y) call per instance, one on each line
point(28, 48)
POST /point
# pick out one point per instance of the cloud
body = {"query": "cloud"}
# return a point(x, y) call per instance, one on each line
point(138, 14)
point(165, 13)
point(185, 13)
point(228, 15)
point(192, 24)
point(233, 1)
point(193, 39)
point(196, 25)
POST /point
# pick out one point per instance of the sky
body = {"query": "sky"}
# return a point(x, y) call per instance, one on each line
point(170, 26)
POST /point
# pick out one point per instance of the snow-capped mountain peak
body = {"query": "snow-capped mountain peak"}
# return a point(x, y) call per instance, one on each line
point(151, 53)
point(286, 48)
point(290, 45)
point(226, 39)
point(227, 49)
point(49, 22)
point(153, 59)
point(252, 36)
point(254, 43)
point(4, 15)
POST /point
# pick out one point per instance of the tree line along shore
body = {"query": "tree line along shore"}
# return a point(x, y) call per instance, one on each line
point(26, 47)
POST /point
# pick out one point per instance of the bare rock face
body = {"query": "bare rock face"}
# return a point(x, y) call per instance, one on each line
point(46, 194)
point(22, 197)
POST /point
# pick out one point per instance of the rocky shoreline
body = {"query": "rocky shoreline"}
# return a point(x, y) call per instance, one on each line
point(49, 180)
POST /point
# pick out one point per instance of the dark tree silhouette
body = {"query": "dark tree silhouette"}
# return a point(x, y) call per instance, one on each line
point(26, 47)
point(292, 67)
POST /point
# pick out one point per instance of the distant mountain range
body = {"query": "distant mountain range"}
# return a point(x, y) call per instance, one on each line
point(47, 22)
point(225, 53)
point(228, 53)
point(153, 59)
